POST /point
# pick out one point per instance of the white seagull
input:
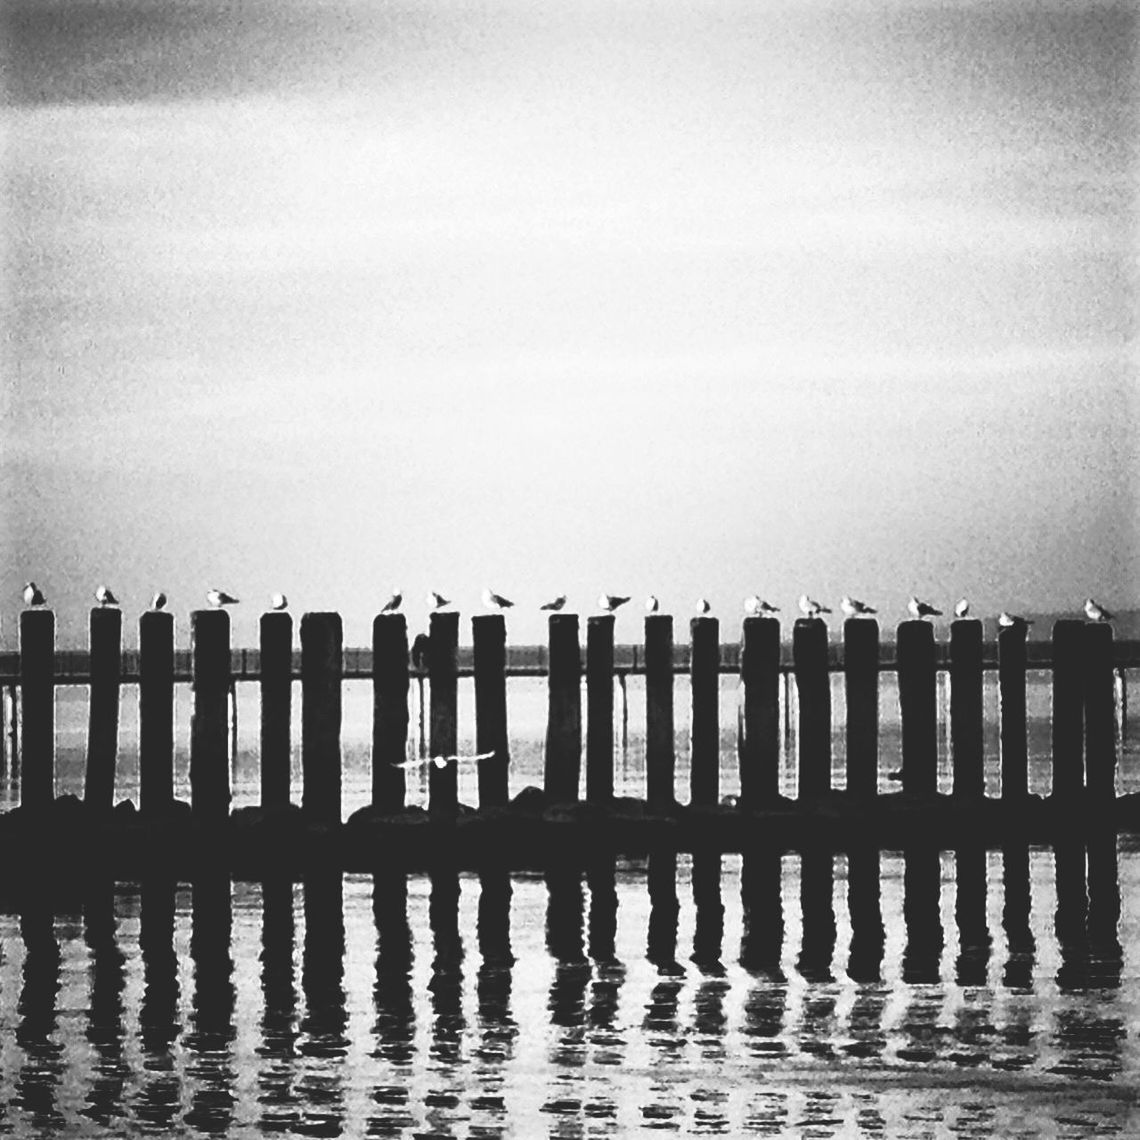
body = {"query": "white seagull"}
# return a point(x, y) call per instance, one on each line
point(610, 602)
point(442, 761)
point(393, 603)
point(811, 608)
point(703, 606)
point(158, 602)
point(1096, 612)
point(437, 601)
point(852, 607)
point(1010, 621)
point(219, 598)
point(652, 605)
point(496, 601)
point(33, 595)
point(962, 609)
point(104, 597)
point(554, 605)
point(918, 609)
point(278, 602)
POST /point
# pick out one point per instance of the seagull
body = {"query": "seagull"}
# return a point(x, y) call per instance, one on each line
point(610, 602)
point(1096, 612)
point(496, 601)
point(554, 605)
point(652, 605)
point(962, 609)
point(278, 602)
point(158, 602)
point(811, 608)
point(443, 761)
point(219, 598)
point(703, 606)
point(393, 603)
point(852, 607)
point(33, 596)
point(437, 601)
point(105, 598)
point(919, 609)
point(1010, 621)
point(756, 605)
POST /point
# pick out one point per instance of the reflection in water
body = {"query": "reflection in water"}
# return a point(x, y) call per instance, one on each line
point(105, 1012)
point(761, 951)
point(159, 1102)
point(1015, 918)
point(277, 1076)
point(865, 956)
point(38, 1080)
point(922, 895)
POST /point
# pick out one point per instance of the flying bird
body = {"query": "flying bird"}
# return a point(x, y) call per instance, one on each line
point(918, 609)
point(104, 597)
point(442, 761)
point(962, 609)
point(1095, 611)
point(219, 598)
point(158, 602)
point(437, 601)
point(1011, 621)
point(278, 602)
point(652, 605)
point(496, 601)
point(703, 606)
point(811, 608)
point(554, 605)
point(33, 595)
point(393, 603)
point(610, 602)
point(852, 607)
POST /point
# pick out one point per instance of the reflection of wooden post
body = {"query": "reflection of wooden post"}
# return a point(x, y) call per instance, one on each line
point(918, 706)
point(489, 638)
point(322, 670)
point(564, 717)
point(443, 673)
point(759, 743)
point(389, 711)
point(861, 681)
point(659, 743)
point(1011, 689)
point(809, 652)
point(276, 707)
point(704, 740)
point(156, 711)
point(37, 694)
point(103, 711)
point(966, 708)
point(1100, 713)
point(1068, 708)
point(600, 708)
point(209, 770)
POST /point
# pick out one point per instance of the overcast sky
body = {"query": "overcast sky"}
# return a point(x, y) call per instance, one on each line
point(327, 296)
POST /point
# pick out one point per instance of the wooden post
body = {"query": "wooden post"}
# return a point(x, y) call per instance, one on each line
point(276, 707)
point(1100, 713)
point(813, 684)
point(918, 704)
point(37, 695)
point(322, 670)
point(210, 672)
point(966, 706)
point(103, 710)
point(704, 740)
point(659, 741)
point(1068, 708)
point(564, 720)
point(443, 675)
point(759, 743)
point(861, 681)
point(1011, 690)
point(156, 711)
point(600, 709)
point(489, 636)
point(389, 711)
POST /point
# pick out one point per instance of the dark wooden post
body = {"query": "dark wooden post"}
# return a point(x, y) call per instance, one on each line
point(600, 709)
point(704, 741)
point(37, 697)
point(1011, 690)
point(1068, 708)
point(443, 677)
point(759, 743)
point(1100, 713)
point(861, 681)
point(209, 740)
point(489, 637)
point(322, 671)
point(564, 720)
point(918, 705)
point(659, 741)
point(276, 707)
point(390, 684)
point(103, 711)
point(966, 724)
point(809, 656)
point(156, 711)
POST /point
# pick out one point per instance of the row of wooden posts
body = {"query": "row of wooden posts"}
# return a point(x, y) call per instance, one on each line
point(1083, 719)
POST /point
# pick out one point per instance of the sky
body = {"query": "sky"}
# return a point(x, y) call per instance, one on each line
point(693, 298)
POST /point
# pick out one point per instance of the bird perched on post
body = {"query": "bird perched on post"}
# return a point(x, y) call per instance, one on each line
point(811, 608)
point(652, 605)
point(852, 607)
point(610, 602)
point(918, 609)
point(756, 606)
point(1096, 612)
point(278, 602)
point(1011, 621)
point(158, 602)
point(703, 607)
point(33, 595)
point(393, 603)
point(962, 609)
point(219, 598)
point(104, 597)
point(496, 601)
point(437, 601)
point(554, 605)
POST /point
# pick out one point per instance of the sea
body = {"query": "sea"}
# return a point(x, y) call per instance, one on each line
point(917, 993)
